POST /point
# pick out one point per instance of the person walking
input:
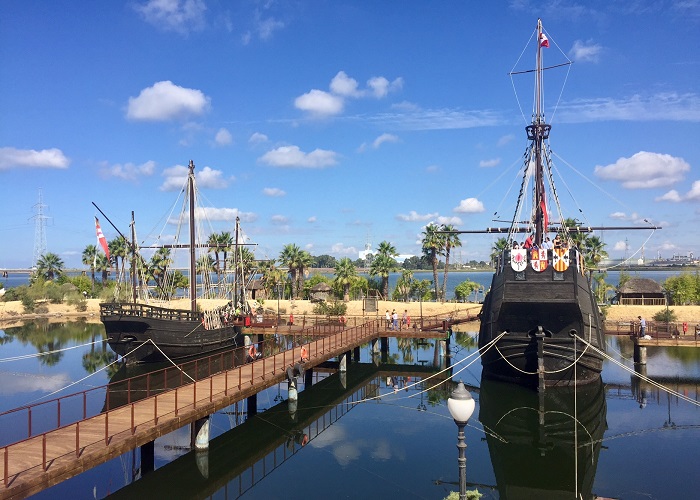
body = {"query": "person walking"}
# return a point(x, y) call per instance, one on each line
point(642, 326)
point(395, 320)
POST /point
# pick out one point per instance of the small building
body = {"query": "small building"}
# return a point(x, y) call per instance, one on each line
point(641, 292)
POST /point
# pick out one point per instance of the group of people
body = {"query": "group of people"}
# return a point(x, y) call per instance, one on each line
point(392, 320)
point(547, 243)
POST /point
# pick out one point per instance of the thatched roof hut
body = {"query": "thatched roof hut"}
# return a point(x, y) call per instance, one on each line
point(642, 292)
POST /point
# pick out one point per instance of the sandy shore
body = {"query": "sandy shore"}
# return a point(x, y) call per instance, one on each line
point(14, 311)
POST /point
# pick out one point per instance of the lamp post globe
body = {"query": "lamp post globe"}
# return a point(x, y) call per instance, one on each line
point(461, 406)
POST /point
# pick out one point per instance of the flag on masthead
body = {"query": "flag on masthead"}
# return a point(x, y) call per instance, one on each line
point(101, 238)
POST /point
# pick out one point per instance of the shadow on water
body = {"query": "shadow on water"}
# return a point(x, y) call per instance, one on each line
point(543, 445)
point(243, 456)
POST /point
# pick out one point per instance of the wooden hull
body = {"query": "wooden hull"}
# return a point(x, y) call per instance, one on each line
point(147, 334)
point(541, 307)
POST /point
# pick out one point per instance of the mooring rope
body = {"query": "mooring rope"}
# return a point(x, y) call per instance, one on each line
point(639, 375)
point(46, 353)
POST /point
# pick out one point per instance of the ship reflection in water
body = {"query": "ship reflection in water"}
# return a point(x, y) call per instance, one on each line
point(543, 445)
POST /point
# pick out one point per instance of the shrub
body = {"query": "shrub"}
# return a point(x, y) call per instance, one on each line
point(665, 316)
point(333, 308)
point(28, 303)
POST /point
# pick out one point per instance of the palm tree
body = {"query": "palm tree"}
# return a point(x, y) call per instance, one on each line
point(303, 265)
point(213, 244)
point(593, 253)
point(49, 265)
point(433, 246)
point(499, 246)
point(386, 248)
point(345, 275)
point(289, 257)
point(383, 265)
point(103, 265)
point(225, 240)
point(88, 258)
point(451, 240)
point(118, 249)
point(203, 268)
point(577, 238)
point(404, 284)
point(158, 266)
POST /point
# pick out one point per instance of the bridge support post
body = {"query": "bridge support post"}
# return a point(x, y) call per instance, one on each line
point(199, 439)
point(356, 354)
point(374, 346)
point(343, 362)
point(148, 457)
point(292, 389)
point(252, 402)
point(640, 354)
point(308, 377)
point(384, 343)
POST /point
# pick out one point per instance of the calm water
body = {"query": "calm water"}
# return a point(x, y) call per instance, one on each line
point(634, 440)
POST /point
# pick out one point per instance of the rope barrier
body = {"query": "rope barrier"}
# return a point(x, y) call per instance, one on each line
point(39, 354)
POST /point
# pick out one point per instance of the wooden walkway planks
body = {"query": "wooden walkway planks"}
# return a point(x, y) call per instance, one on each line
point(44, 460)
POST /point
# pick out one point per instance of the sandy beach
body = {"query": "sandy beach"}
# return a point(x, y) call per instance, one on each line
point(11, 312)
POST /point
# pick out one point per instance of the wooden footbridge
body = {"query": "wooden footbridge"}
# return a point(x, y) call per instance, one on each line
point(49, 442)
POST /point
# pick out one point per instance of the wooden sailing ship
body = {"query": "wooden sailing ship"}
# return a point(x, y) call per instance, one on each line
point(142, 331)
point(540, 312)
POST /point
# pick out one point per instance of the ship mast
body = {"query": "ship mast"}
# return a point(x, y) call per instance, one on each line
point(193, 275)
point(537, 133)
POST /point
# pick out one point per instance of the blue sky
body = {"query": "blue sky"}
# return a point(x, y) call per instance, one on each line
point(329, 124)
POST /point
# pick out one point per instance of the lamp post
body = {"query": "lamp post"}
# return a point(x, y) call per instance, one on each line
point(461, 406)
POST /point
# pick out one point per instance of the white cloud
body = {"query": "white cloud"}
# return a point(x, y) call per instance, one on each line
point(620, 246)
point(319, 103)
point(274, 192)
point(257, 138)
point(176, 177)
point(31, 158)
point(279, 219)
point(166, 101)
point(585, 51)
point(384, 138)
point(266, 27)
point(340, 250)
point(431, 169)
point(671, 195)
point(506, 139)
point(224, 214)
point(129, 171)
point(343, 85)
point(657, 107)
point(645, 170)
point(494, 162)
point(694, 193)
point(469, 206)
point(181, 16)
point(223, 137)
point(455, 221)
point(292, 156)
point(311, 219)
point(380, 86)
point(414, 216)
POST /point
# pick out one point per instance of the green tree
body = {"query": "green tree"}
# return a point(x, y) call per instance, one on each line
point(465, 289)
point(213, 244)
point(433, 245)
point(499, 246)
point(49, 266)
point(404, 285)
point(88, 258)
point(345, 274)
point(118, 251)
point(451, 240)
point(382, 266)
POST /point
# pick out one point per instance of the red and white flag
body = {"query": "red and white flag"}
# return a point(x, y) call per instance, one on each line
point(544, 41)
point(101, 238)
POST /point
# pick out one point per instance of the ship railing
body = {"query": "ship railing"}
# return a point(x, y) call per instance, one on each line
point(147, 311)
